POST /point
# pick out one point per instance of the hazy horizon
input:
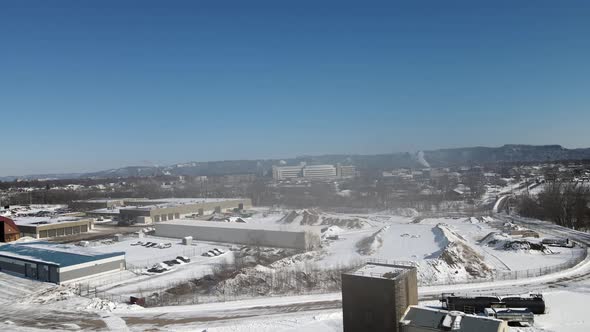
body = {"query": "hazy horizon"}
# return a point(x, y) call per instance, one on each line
point(89, 86)
point(146, 163)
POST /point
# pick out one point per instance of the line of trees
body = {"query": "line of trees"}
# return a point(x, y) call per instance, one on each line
point(563, 202)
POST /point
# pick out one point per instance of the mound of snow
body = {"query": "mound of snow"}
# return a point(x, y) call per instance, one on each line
point(406, 212)
point(294, 260)
point(101, 305)
point(344, 193)
point(331, 231)
point(53, 294)
point(457, 262)
point(97, 304)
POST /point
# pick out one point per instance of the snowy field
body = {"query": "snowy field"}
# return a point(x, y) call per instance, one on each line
point(445, 250)
point(391, 238)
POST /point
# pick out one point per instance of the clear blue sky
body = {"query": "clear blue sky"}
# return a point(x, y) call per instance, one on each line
point(89, 85)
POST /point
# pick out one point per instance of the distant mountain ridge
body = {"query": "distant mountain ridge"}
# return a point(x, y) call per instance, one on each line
point(432, 158)
point(506, 153)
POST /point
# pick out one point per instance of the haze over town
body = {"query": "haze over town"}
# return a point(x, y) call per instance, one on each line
point(295, 166)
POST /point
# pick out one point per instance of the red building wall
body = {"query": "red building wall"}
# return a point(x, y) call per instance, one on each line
point(9, 230)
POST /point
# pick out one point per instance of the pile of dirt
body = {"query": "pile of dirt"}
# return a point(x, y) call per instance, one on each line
point(501, 241)
point(313, 217)
point(371, 244)
point(309, 218)
point(460, 256)
point(289, 218)
point(457, 262)
point(350, 223)
point(524, 245)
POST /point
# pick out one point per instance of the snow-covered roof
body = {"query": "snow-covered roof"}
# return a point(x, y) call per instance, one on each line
point(173, 202)
point(439, 320)
point(114, 210)
point(102, 200)
point(237, 225)
point(384, 271)
point(36, 221)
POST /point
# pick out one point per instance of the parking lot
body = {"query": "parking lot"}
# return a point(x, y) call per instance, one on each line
point(150, 250)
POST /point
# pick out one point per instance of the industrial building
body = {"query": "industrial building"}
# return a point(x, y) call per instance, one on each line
point(312, 172)
point(376, 296)
point(149, 211)
point(105, 213)
point(94, 204)
point(421, 319)
point(8, 230)
point(57, 263)
point(47, 227)
point(303, 238)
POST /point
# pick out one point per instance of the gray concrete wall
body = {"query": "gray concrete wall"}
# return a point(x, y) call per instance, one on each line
point(90, 270)
point(259, 237)
point(377, 304)
point(12, 267)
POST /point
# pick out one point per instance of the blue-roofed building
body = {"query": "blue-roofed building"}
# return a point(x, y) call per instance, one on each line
point(57, 263)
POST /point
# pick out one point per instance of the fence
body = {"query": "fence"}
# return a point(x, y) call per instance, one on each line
point(290, 283)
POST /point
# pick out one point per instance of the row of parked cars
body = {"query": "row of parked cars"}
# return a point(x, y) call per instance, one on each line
point(213, 253)
point(152, 244)
point(167, 265)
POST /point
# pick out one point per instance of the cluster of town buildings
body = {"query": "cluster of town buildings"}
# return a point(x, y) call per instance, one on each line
point(147, 211)
point(184, 219)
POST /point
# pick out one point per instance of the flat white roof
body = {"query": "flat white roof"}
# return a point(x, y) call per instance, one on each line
point(102, 200)
point(109, 210)
point(385, 271)
point(173, 202)
point(235, 225)
point(37, 221)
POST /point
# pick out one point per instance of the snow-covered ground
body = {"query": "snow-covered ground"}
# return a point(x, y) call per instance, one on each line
point(445, 250)
point(137, 281)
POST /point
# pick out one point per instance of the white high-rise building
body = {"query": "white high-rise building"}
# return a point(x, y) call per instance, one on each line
point(287, 172)
point(312, 172)
point(319, 171)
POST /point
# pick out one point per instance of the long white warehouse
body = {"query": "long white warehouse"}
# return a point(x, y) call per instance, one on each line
point(303, 238)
